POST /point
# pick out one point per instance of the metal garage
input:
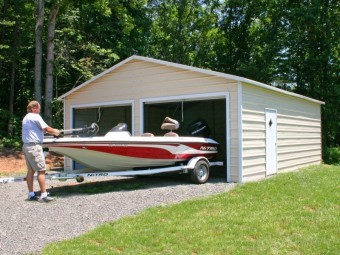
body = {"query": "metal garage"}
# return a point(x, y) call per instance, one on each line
point(262, 130)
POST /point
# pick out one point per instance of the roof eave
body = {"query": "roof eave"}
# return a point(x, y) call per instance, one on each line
point(191, 68)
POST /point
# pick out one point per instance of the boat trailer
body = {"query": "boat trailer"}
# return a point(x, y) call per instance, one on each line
point(198, 167)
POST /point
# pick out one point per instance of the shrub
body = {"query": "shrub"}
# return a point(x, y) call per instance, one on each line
point(332, 156)
point(12, 143)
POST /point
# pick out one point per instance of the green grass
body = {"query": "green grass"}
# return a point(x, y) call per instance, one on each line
point(294, 213)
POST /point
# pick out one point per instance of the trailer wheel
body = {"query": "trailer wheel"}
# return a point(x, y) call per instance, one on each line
point(200, 173)
point(80, 178)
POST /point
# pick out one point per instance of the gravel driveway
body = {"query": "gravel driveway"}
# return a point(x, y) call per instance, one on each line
point(26, 227)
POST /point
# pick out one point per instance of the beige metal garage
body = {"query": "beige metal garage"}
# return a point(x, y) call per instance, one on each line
point(262, 130)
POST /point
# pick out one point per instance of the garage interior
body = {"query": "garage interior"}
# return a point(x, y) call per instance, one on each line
point(106, 117)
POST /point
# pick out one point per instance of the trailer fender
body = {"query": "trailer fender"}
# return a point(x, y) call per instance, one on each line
point(192, 162)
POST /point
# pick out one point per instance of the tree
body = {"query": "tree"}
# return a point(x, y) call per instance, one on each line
point(38, 49)
point(183, 31)
point(93, 36)
point(251, 37)
point(312, 46)
point(50, 62)
point(15, 26)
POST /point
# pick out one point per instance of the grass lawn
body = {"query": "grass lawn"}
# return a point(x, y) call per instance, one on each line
point(293, 213)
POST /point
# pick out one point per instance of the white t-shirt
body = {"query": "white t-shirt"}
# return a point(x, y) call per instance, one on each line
point(33, 128)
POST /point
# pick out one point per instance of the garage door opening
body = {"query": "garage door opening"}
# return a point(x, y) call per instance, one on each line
point(213, 112)
point(105, 117)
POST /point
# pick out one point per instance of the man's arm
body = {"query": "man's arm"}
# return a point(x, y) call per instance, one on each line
point(52, 131)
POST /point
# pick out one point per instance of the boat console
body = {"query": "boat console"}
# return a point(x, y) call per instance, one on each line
point(120, 130)
point(119, 127)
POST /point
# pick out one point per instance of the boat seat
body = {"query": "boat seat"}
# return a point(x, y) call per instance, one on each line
point(171, 134)
point(148, 134)
point(170, 124)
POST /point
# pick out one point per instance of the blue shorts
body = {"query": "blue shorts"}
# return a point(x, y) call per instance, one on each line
point(34, 155)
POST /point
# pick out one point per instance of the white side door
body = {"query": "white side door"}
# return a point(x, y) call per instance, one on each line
point(271, 140)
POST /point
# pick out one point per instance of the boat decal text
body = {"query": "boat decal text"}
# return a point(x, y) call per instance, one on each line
point(97, 174)
point(208, 148)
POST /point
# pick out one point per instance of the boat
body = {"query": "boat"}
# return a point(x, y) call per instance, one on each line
point(118, 150)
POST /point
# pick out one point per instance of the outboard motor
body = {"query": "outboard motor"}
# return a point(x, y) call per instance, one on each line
point(200, 128)
point(120, 127)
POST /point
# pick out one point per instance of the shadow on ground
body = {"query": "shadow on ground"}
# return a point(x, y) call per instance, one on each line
point(123, 184)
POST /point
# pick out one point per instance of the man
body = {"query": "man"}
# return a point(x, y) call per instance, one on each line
point(33, 128)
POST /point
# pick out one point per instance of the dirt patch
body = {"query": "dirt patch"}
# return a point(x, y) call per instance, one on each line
point(13, 161)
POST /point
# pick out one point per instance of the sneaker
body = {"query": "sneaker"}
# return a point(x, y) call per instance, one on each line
point(46, 199)
point(34, 198)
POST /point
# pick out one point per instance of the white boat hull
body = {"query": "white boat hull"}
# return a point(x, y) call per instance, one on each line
point(123, 153)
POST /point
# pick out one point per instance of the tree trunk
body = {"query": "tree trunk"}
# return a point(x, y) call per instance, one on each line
point(49, 64)
point(13, 76)
point(2, 34)
point(38, 49)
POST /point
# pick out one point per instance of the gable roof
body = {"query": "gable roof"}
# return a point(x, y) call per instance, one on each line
point(189, 68)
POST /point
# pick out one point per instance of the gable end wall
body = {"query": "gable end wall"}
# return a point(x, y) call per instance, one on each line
point(136, 80)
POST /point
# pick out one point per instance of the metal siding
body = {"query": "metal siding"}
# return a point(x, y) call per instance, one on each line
point(254, 139)
point(299, 141)
point(128, 83)
point(140, 79)
point(298, 131)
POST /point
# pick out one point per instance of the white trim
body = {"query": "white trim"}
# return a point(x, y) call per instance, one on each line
point(141, 116)
point(228, 124)
point(188, 97)
point(194, 69)
point(110, 103)
point(64, 122)
point(64, 112)
point(240, 131)
point(193, 97)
